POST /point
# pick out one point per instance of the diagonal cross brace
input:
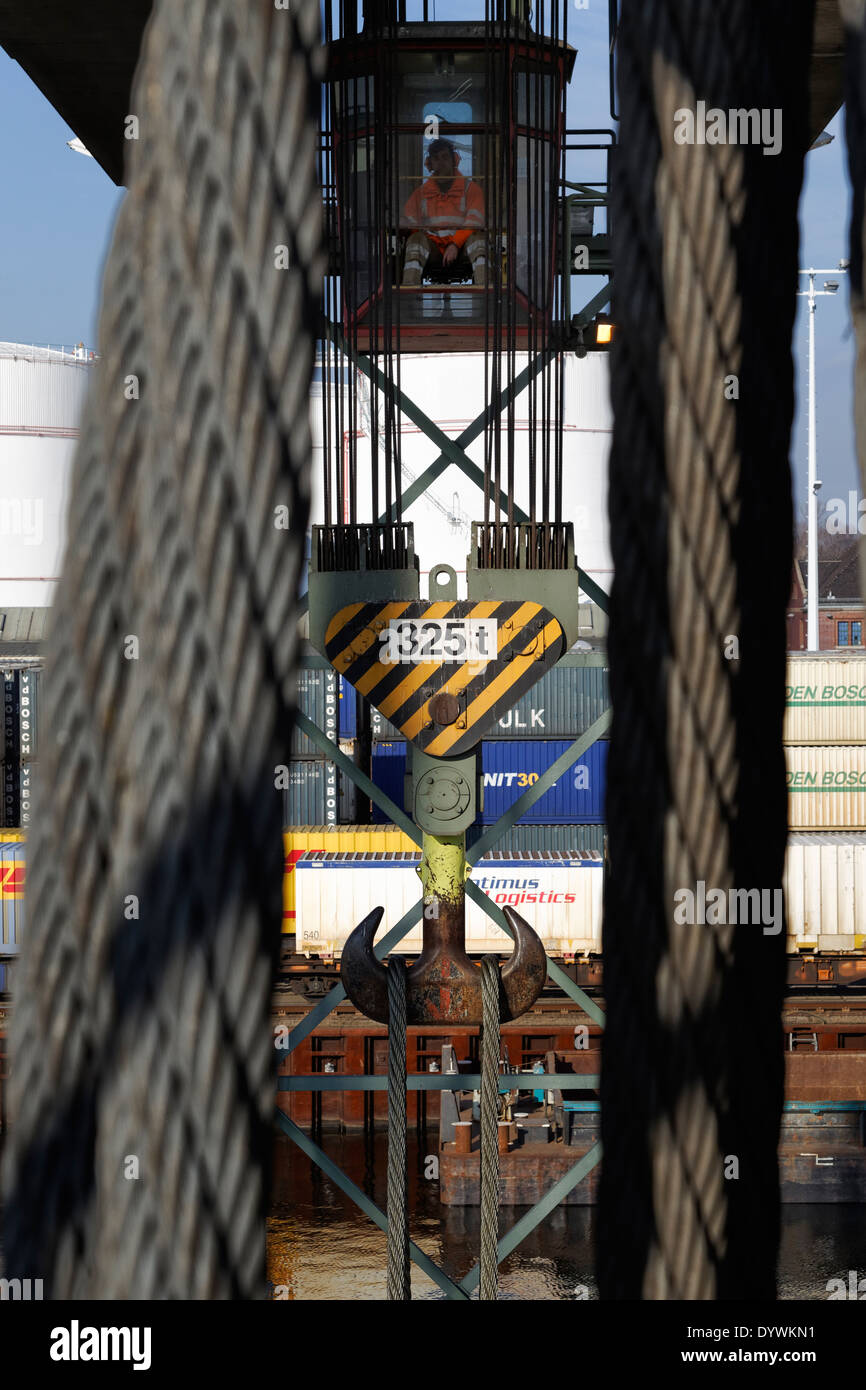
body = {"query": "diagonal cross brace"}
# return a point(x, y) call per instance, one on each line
point(452, 450)
point(528, 1222)
point(337, 1176)
point(519, 1231)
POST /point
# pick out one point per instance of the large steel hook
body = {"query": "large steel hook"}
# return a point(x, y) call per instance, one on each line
point(444, 985)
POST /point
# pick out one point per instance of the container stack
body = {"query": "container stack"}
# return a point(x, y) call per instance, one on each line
point(825, 742)
point(529, 738)
point(317, 793)
point(20, 700)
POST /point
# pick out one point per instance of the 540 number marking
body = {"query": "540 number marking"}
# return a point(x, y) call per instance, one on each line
point(431, 639)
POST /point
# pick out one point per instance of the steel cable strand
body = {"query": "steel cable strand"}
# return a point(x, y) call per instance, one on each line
point(490, 1050)
point(695, 785)
point(158, 780)
point(399, 1280)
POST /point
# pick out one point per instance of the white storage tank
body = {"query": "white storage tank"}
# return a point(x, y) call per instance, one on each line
point(452, 392)
point(42, 391)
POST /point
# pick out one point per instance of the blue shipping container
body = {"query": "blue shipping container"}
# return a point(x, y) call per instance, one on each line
point(346, 713)
point(509, 768)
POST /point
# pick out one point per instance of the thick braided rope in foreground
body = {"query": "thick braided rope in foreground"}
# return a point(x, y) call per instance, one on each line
point(704, 248)
point(141, 1056)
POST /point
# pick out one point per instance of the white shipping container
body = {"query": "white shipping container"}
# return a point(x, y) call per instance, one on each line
point(561, 897)
point(826, 786)
point(825, 699)
point(825, 892)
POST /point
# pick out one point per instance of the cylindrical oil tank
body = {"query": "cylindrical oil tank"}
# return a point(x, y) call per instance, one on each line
point(825, 698)
point(42, 393)
point(826, 786)
point(451, 390)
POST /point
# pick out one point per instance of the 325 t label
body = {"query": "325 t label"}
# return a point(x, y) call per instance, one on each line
point(432, 639)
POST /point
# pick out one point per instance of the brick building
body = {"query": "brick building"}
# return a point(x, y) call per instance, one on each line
point(841, 611)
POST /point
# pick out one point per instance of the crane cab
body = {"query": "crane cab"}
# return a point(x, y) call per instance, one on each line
point(444, 156)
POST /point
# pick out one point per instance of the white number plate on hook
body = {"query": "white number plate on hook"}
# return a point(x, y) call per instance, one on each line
point(432, 639)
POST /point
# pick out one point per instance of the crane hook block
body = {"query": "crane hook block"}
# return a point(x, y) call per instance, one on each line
point(443, 671)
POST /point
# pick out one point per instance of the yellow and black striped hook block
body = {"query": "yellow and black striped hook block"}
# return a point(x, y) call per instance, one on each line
point(443, 670)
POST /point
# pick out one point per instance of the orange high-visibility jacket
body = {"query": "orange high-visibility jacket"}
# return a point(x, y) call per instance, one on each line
point(446, 217)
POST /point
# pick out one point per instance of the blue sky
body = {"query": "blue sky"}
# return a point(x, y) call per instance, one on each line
point(59, 209)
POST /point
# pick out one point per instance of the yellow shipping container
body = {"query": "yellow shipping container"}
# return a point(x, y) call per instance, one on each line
point(301, 839)
point(825, 699)
point(826, 787)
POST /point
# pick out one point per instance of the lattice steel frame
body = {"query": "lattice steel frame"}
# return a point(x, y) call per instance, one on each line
point(453, 451)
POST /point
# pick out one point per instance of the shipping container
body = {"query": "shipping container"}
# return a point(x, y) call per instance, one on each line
point(826, 787)
point(20, 706)
point(318, 698)
point(329, 701)
point(388, 772)
point(12, 868)
point(560, 839)
point(825, 699)
point(11, 718)
point(563, 704)
point(825, 892)
point(25, 785)
point(559, 895)
point(11, 773)
point(333, 838)
point(312, 795)
point(346, 718)
point(29, 681)
point(509, 768)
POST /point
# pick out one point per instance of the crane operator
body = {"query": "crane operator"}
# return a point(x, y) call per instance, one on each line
point(445, 216)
